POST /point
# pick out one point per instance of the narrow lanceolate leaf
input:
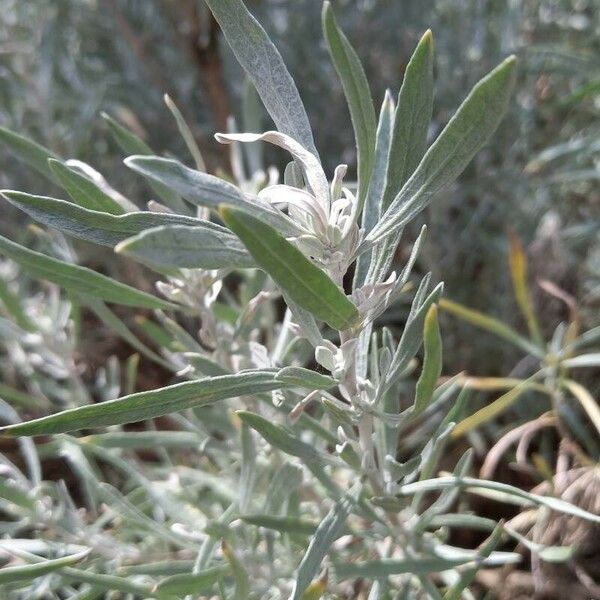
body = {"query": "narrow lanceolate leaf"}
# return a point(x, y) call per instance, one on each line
point(28, 151)
point(29, 572)
point(411, 339)
point(358, 97)
point(132, 144)
point(386, 566)
point(281, 524)
point(412, 118)
point(490, 324)
point(327, 532)
point(372, 207)
point(448, 482)
point(203, 189)
point(154, 403)
point(279, 437)
point(265, 67)
point(82, 190)
point(518, 271)
point(468, 130)
point(299, 278)
point(78, 279)
point(204, 246)
point(180, 585)
point(432, 361)
point(90, 225)
point(305, 378)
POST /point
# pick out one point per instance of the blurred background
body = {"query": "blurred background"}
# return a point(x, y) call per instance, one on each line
point(63, 62)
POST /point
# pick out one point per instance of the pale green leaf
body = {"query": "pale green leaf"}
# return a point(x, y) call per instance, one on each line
point(358, 97)
point(206, 245)
point(78, 279)
point(150, 404)
point(83, 191)
point(279, 437)
point(263, 64)
point(329, 529)
point(299, 278)
point(28, 151)
point(29, 572)
point(207, 190)
point(468, 130)
point(90, 225)
point(411, 120)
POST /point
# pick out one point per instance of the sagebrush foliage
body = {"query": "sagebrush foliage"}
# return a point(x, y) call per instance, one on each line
point(301, 457)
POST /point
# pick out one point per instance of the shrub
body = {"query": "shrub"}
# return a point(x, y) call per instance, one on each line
point(320, 474)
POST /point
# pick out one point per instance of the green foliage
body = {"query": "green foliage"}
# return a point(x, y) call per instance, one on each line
point(286, 415)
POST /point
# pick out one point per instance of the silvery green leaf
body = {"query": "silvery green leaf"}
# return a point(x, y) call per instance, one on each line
point(204, 365)
point(298, 277)
point(372, 207)
point(78, 279)
point(82, 190)
point(90, 225)
point(358, 97)
point(282, 524)
point(312, 169)
point(411, 339)
point(153, 403)
point(411, 120)
point(278, 437)
point(399, 471)
point(468, 575)
point(448, 497)
point(132, 144)
point(307, 323)
point(180, 585)
point(263, 64)
point(140, 440)
point(305, 378)
point(461, 520)
point(253, 114)
point(28, 572)
point(552, 554)
point(205, 245)
point(207, 190)
point(583, 360)
point(527, 498)
point(468, 130)
point(385, 567)
point(329, 529)
point(247, 469)
point(28, 151)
